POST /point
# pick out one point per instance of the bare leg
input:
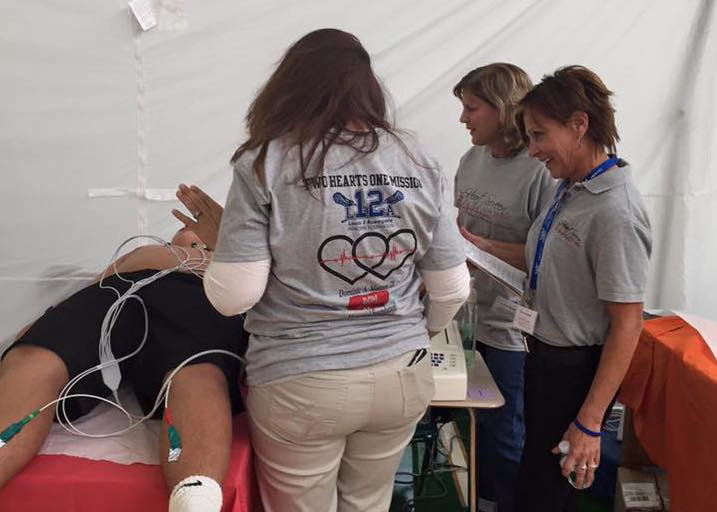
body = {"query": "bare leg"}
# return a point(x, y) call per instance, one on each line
point(201, 410)
point(30, 377)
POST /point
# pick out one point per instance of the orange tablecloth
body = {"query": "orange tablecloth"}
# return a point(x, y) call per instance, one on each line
point(671, 386)
point(58, 483)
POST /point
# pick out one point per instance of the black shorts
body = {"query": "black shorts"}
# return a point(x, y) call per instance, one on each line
point(182, 322)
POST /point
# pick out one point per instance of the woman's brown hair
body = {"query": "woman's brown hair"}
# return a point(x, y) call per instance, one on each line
point(502, 85)
point(576, 89)
point(323, 92)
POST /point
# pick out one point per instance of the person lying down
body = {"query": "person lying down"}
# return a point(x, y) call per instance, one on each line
point(178, 322)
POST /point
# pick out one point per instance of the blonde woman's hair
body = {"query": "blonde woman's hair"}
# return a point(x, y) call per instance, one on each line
point(503, 86)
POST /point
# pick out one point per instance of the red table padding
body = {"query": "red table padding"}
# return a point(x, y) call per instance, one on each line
point(59, 483)
point(671, 386)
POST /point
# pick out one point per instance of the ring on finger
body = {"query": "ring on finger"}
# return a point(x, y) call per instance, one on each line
point(197, 215)
point(593, 466)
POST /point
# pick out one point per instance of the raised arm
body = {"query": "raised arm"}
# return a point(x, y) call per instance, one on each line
point(185, 246)
point(206, 211)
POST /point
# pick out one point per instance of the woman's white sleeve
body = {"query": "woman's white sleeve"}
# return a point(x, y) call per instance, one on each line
point(447, 290)
point(234, 287)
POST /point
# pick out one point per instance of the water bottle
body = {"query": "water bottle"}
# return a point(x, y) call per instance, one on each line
point(467, 319)
point(564, 448)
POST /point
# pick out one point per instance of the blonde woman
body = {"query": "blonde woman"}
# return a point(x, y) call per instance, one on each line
point(499, 191)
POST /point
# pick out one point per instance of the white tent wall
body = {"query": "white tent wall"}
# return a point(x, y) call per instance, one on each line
point(90, 103)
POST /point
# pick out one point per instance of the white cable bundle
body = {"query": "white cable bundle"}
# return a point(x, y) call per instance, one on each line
point(109, 365)
point(111, 373)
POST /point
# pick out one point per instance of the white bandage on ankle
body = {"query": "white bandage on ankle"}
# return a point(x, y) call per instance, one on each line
point(196, 493)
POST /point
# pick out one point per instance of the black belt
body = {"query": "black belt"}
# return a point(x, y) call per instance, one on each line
point(540, 347)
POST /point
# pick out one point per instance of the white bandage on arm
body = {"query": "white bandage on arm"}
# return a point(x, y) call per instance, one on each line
point(447, 291)
point(233, 288)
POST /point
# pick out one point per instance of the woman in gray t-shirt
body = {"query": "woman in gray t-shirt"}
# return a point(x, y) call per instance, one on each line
point(499, 191)
point(332, 221)
point(587, 256)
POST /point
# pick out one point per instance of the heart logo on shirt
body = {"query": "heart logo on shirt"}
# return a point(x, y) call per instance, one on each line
point(397, 248)
point(372, 253)
point(340, 263)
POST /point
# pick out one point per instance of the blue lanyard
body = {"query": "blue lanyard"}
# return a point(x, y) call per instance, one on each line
point(552, 212)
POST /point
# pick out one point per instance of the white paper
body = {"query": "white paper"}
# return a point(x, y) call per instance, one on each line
point(507, 275)
point(139, 445)
point(641, 495)
point(525, 319)
point(706, 328)
point(143, 11)
point(503, 306)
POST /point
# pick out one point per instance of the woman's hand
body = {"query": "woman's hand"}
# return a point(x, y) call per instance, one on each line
point(625, 328)
point(583, 457)
point(206, 211)
point(511, 253)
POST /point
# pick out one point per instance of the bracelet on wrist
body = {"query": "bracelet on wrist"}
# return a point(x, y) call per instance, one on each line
point(582, 428)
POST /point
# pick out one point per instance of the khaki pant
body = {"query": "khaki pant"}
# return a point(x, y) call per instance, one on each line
point(332, 440)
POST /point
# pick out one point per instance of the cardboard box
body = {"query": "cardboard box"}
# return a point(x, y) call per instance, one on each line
point(664, 488)
point(636, 491)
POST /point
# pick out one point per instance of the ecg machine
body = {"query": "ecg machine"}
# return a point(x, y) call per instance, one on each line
point(449, 364)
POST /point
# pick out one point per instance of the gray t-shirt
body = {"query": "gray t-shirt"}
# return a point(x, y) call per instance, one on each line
point(345, 247)
point(498, 198)
point(597, 250)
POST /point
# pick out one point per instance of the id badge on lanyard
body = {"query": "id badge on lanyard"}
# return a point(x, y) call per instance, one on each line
point(527, 315)
point(525, 319)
